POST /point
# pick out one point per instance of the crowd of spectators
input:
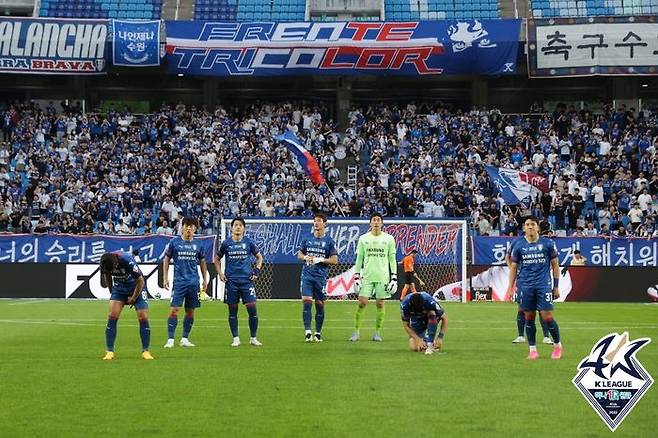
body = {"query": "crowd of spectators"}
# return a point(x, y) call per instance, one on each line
point(120, 173)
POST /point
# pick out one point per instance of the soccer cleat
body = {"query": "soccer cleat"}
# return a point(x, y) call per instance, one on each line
point(308, 337)
point(547, 340)
point(376, 337)
point(236, 342)
point(533, 355)
point(519, 340)
point(557, 352)
point(184, 342)
point(109, 355)
point(255, 342)
point(146, 355)
point(317, 337)
point(169, 344)
point(355, 337)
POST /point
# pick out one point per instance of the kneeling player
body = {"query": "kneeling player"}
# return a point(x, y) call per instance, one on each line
point(420, 318)
point(120, 273)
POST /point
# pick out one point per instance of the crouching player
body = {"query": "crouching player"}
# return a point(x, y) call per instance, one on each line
point(120, 273)
point(420, 318)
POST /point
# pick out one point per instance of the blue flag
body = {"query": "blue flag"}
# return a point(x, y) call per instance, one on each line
point(136, 43)
point(303, 156)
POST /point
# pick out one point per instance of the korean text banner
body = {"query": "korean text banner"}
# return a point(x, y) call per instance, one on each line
point(136, 43)
point(592, 46)
point(346, 48)
point(66, 248)
point(598, 251)
point(53, 46)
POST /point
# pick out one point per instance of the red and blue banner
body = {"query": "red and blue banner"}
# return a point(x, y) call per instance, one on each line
point(486, 47)
point(53, 46)
point(304, 157)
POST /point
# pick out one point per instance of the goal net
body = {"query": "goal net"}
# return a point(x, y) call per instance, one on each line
point(440, 263)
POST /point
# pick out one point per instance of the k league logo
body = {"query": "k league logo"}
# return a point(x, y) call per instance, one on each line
point(612, 379)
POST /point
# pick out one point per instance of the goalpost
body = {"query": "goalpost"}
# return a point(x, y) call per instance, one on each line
point(440, 263)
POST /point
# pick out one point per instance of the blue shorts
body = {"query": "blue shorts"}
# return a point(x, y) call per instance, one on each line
point(537, 299)
point(421, 331)
point(237, 290)
point(188, 294)
point(311, 287)
point(142, 302)
point(518, 296)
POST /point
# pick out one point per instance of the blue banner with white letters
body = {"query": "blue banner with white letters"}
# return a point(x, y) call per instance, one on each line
point(67, 248)
point(53, 46)
point(136, 43)
point(597, 250)
point(487, 47)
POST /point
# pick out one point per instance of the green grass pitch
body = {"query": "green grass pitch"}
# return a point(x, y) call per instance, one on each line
point(54, 383)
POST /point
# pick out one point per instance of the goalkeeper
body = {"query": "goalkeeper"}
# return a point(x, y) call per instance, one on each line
point(375, 273)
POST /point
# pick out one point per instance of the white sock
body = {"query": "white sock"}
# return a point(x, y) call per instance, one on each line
point(308, 332)
point(533, 348)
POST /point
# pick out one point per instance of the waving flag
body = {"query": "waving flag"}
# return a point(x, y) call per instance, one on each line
point(303, 156)
point(515, 186)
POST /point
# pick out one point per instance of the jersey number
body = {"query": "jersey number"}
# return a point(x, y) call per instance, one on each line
point(548, 297)
point(252, 291)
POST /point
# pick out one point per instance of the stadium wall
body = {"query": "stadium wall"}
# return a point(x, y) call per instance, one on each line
point(59, 280)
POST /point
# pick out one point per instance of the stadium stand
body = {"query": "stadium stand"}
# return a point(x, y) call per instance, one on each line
point(587, 8)
point(440, 9)
point(415, 160)
point(245, 10)
point(125, 9)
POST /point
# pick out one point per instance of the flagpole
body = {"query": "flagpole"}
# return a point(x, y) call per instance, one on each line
point(335, 199)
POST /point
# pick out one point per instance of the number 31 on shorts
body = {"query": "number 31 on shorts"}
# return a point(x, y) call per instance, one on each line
point(549, 297)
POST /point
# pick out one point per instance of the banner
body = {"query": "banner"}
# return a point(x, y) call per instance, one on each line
point(592, 46)
point(598, 251)
point(66, 248)
point(436, 244)
point(487, 47)
point(514, 186)
point(45, 45)
point(136, 43)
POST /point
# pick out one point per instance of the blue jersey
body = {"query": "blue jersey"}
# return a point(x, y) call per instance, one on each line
point(417, 319)
point(238, 258)
point(186, 256)
point(124, 277)
point(323, 247)
point(534, 262)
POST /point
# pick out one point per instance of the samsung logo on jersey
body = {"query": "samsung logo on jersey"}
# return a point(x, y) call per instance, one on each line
point(64, 40)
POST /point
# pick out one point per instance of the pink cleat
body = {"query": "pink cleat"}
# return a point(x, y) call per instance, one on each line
point(533, 355)
point(557, 352)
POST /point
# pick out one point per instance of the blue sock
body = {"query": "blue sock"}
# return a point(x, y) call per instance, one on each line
point(187, 325)
point(172, 322)
point(544, 326)
point(319, 316)
point(110, 333)
point(432, 325)
point(253, 319)
point(306, 315)
point(145, 333)
point(531, 331)
point(233, 319)
point(553, 328)
point(520, 322)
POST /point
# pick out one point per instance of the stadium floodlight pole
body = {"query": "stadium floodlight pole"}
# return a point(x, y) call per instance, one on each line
point(340, 208)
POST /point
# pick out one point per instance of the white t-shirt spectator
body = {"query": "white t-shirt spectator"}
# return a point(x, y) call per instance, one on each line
point(645, 201)
point(122, 228)
point(604, 148)
point(597, 192)
point(635, 214)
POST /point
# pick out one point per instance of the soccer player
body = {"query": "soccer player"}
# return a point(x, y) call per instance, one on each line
point(239, 278)
point(120, 273)
point(534, 258)
point(520, 316)
point(317, 251)
point(408, 265)
point(187, 255)
point(375, 273)
point(420, 318)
